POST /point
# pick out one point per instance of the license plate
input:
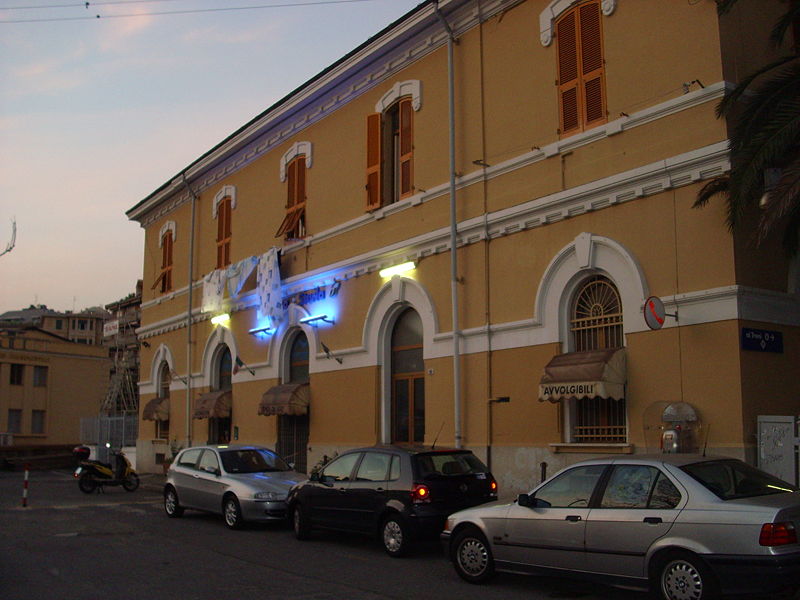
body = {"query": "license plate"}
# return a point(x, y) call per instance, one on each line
point(78, 471)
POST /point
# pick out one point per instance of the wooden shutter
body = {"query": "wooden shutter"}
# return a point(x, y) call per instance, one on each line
point(166, 262)
point(300, 185)
point(568, 81)
point(291, 187)
point(374, 157)
point(224, 233)
point(592, 72)
point(406, 147)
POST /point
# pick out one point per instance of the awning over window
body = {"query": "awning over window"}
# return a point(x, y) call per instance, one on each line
point(156, 410)
point(585, 375)
point(287, 399)
point(213, 404)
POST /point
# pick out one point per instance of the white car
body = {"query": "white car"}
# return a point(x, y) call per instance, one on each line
point(688, 526)
point(243, 483)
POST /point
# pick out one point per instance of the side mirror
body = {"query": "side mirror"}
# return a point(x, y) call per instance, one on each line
point(314, 476)
point(525, 500)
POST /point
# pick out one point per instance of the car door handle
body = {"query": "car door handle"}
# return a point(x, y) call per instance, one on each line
point(573, 517)
point(653, 520)
point(342, 489)
point(379, 489)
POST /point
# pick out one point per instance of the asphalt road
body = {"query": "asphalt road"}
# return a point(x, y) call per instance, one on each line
point(67, 545)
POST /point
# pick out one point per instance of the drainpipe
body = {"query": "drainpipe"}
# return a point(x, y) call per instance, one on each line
point(189, 318)
point(453, 232)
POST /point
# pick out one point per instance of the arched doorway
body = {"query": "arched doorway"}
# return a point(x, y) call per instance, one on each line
point(408, 379)
point(292, 443)
point(219, 428)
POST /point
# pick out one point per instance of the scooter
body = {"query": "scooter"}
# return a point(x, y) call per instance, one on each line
point(95, 475)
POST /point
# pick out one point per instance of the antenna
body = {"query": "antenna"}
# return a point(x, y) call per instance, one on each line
point(13, 241)
point(436, 439)
point(705, 445)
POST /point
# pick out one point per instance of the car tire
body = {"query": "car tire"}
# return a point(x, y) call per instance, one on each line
point(131, 483)
point(395, 536)
point(232, 512)
point(171, 505)
point(684, 576)
point(472, 555)
point(87, 484)
point(300, 523)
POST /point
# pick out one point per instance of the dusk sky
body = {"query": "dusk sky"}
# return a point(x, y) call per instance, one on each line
point(97, 113)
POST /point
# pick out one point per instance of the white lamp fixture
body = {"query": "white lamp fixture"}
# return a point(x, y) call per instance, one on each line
point(397, 269)
point(313, 320)
point(220, 319)
point(257, 330)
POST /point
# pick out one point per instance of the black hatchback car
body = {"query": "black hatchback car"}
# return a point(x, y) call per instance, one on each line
point(400, 493)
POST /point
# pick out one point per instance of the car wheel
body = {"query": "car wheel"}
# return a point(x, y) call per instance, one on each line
point(472, 556)
point(171, 505)
point(395, 536)
point(131, 483)
point(684, 576)
point(87, 484)
point(232, 512)
point(300, 524)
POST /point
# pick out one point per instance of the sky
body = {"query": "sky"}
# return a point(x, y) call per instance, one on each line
point(95, 114)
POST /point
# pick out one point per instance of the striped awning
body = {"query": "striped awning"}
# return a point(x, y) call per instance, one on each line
point(286, 399)
point(156, 410)
point(213, 404)
point(590, 374)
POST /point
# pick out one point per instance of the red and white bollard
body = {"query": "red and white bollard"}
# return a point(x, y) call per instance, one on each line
point(25, 486)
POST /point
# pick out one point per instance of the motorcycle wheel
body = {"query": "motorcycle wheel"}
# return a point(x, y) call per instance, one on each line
point(87, 484)
point(131, 483)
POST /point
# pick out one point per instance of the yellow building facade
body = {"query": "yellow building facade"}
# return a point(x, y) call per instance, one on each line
point(572, 145)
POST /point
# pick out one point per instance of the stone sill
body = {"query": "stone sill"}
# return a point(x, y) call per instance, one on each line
point(592, 448)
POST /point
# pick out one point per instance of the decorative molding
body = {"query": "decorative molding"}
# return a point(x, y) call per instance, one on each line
point(227, 191)
point(168, 226)
point(296, 150)
point(412, 87)
point(554, 10)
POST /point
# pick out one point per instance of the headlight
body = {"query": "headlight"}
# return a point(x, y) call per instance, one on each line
point(270, 496)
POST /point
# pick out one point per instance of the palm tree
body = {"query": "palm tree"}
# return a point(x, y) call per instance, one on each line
point(764, 143)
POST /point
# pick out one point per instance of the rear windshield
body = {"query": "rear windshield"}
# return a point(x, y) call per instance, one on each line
point(731, 479)
point(448, 464)
point(252, 460)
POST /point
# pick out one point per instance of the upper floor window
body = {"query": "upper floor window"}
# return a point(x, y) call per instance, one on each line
point(390, 145)
point(166, 241)
point(224, 232)
point(294, 223)
point(17, 374)
point(581, 68)
point(59, 324)
point(39, 376)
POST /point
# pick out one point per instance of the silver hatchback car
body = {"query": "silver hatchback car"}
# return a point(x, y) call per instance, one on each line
point(243, 483)
point(690, 527)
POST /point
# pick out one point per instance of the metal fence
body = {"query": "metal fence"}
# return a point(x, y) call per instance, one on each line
point(119, 431)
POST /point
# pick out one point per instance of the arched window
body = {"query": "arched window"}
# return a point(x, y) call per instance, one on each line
point(293, 226)
point(164, 379)
point(596, 324)
point(224, 370)
point(408, 379)
point(219, 428)
point(596, 319)
point(292, 441)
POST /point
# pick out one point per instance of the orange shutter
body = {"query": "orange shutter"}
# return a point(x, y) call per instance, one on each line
point(291, 177)
point(567, 42)
point(373, 161)
point(406, 147)
point(224, 233)
point(166, 262)
point(591, 47)
point(300, 194)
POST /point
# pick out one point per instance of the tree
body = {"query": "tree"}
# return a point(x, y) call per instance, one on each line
point(764, 142)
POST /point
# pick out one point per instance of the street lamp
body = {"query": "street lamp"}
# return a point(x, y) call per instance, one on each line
point(498, 400)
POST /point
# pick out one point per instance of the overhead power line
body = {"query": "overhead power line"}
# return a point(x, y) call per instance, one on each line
point(173, 12)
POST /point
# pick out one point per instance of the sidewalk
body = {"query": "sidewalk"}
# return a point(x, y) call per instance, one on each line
point(153, 482)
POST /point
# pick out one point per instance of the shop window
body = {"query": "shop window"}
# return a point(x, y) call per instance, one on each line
point(596, 324)
point(408, 380)
point(37, 421)
point(17, 374)
point(14, 420)
point(164, 379)
point(219, 428)
point(581, 68)
point(39, 376)
point(294, 223)
point(390, 154)
point(224, 232)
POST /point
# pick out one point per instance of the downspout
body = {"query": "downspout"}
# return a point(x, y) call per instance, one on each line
point(189, 318)
point(453, 233)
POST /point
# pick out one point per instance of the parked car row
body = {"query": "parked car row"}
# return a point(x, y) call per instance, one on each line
point(688, 527)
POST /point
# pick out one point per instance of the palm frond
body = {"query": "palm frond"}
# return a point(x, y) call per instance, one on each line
point(784, 24)
point(731, 97)
point(718, 185)
point(725, 6)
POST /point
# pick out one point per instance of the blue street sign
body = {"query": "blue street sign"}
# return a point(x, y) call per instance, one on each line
point(762, 340)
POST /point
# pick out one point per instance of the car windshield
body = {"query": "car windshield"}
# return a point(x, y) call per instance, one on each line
point(449, 463)
point(731, 479)
point(252, 460)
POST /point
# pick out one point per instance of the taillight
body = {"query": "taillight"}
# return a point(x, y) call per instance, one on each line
point(493, 487)
point(421, 493)
point(777, 534)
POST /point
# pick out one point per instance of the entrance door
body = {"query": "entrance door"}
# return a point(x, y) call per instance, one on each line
point(293, 440)
point(408, 380)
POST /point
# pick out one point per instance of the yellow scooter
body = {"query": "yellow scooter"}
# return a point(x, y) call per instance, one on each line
point(94, 475)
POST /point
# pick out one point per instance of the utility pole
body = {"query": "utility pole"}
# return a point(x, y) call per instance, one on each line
point(13, 241)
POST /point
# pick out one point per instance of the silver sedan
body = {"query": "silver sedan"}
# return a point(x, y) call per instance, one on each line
point(243, 483)
point(687, 526)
